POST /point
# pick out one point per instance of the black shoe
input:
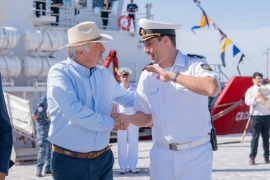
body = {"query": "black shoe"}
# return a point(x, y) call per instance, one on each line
point(252, 161)
point(122, 171)
point(134, 171)
point(266, 161)
point(48, 172)
point(38, 174)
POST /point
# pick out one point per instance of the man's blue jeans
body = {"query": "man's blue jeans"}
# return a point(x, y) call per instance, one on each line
point(71, 168)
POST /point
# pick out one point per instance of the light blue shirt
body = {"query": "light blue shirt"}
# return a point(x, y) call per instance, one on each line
point(80, 105)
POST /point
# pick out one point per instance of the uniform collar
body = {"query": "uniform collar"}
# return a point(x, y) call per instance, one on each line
point(180, 59)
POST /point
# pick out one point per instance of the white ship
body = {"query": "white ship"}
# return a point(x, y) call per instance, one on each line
point(29, 46)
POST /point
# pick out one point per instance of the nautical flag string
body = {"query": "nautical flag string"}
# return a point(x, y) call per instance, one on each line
point(204, 18)
point(240, 60)
point(205, 21)
point(221, 32)
point(226, 43)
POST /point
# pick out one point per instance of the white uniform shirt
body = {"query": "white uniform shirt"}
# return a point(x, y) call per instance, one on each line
point(259, 110)
point(126, 110)
point(179, 115)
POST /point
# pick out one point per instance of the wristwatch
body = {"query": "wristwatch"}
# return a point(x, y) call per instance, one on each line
point(175, 76)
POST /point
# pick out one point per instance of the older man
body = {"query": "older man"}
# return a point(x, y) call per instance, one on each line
point(80, 95)
point(173, 93)
point(5, 137)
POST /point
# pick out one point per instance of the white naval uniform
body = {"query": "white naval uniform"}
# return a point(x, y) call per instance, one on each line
point(179, 116)
point(127, 140)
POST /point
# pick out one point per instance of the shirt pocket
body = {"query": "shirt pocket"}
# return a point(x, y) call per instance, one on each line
point(183, 95)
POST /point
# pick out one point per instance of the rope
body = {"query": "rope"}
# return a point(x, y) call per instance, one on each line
point(51, 42)
point(227, 110)
point(42, 39)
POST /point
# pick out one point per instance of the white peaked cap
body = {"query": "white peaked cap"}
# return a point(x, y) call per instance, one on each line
point(124, 70)
point(150, 29)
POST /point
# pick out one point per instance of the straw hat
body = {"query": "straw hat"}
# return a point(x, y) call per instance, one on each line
point(84, 33)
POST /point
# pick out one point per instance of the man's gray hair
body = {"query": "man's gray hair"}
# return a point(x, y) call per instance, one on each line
point(72, 50)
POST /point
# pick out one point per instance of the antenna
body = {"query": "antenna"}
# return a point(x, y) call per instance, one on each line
point(266, 51)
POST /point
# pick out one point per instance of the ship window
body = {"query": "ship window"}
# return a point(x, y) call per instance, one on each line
point(80, 3)
point(67, 2)
point(98, 5)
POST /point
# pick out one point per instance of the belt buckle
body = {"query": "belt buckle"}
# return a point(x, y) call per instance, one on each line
point(173, 146)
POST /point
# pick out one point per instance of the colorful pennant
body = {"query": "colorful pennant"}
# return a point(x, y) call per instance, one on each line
point(205, 21)
point(240, 60)
point(204, 18)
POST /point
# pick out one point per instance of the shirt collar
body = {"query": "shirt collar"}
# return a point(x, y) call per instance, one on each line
point(180, 59)
point(80, 68)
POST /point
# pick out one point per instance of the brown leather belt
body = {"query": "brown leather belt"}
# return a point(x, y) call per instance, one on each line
point(90, 155)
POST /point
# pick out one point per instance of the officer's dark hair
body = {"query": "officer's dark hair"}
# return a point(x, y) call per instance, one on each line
point(172, 38)
point(257, 74)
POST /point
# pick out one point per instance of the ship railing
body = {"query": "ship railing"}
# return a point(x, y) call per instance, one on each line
point(221, 75)
point(70, 16)
point(7, 82)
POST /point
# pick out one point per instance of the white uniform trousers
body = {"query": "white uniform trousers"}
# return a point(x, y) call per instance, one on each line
point(189, 164)
point(127, 141)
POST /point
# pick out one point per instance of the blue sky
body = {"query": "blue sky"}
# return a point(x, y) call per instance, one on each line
point(246, 23)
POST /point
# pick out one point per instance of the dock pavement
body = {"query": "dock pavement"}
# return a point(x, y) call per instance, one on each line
point(230, 162)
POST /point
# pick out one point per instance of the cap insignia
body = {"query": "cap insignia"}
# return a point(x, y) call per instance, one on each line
point(142, 32)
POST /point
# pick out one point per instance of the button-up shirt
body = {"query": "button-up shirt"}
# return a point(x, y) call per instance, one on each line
point(179, 115)
point(80, 104)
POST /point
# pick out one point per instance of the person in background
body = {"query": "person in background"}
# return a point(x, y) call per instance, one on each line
point(42, 129)
point(80, 96)
point(105, 13)
point(260, 118)
point(56, 4)
point(6, 140)
point(173, 95)
point(131, 9)
point(40, 8)
point(127, 140)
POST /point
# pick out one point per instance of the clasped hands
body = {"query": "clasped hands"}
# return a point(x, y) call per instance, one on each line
point(121, 121)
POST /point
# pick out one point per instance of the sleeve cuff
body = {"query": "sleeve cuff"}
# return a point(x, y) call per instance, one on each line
point(109, 122)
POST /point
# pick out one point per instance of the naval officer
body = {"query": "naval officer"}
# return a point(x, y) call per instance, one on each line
point(127, 140)
point(173, 95)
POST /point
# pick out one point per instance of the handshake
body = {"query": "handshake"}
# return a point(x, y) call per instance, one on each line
point(121, 121)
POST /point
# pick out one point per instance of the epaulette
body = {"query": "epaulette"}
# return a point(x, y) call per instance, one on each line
point(196, 56)
point(147, 65)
